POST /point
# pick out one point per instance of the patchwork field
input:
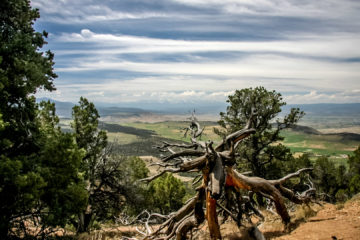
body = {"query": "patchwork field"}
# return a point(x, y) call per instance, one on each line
point(176, 129)
point(138, 138)
point(334, 146)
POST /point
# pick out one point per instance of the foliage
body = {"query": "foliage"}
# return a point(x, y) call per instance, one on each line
point(93, 142)
point(354, 172)
point(132, 193)
point(332, 181)
point(23, 70)
point(110, 179)
point(166, 193)
point(60, 158)
point(88, 137)
point(51, 191)
point(325, 175)
point(261, 152)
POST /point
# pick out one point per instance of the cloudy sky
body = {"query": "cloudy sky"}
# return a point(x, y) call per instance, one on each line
point(185, 51)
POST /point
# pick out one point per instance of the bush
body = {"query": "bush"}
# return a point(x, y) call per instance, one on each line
point(166, 194)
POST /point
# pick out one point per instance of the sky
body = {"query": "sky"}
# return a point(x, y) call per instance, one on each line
point(184, 52)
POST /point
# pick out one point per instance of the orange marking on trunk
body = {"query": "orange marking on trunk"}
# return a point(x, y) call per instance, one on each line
point(233, 181)
point(211, 216)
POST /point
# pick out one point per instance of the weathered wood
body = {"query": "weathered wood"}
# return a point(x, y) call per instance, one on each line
point(211, 217)
point(217, 170)
point(217, 178)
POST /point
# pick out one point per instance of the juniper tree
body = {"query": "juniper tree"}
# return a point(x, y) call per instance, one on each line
point(23, 70)
point(262, 152)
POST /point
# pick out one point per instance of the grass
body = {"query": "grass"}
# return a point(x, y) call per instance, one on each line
point(318, 144)
point(324, 145)
point(332, 146)
point(122, 138)
point(176, 129)
point(326, 122)
point(137, 138)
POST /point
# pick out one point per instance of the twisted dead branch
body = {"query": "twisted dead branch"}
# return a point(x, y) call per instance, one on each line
point(218, 175)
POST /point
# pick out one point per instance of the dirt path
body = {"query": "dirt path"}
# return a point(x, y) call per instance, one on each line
point(330, 223)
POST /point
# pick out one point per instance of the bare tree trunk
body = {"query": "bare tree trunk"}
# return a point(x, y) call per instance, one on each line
point(211, 216)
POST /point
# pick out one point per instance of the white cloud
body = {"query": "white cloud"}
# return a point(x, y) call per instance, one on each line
point(305, 62)
point(339, 45)
point(86, 33)
point(321, 60)
point(100, 93)
point(86, 11)
point(323, 97)
point(287, 8)
point(160, 90)
point(304, 72)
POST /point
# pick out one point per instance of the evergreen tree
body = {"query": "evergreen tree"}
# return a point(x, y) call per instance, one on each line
point(261, 152)
point(93, 141)
point(109, 179)
point(23, 70)
point(166, 193)
point(59, 161)
point(354, 171)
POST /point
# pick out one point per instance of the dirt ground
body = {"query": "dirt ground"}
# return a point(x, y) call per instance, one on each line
point(327, 222)
point(332, 222)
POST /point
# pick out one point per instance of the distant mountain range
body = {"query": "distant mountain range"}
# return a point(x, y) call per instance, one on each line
point(63, 109)
point(327, 109)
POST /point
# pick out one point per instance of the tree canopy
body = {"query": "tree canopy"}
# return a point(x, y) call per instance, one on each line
point(262, 151)
point(23, 70)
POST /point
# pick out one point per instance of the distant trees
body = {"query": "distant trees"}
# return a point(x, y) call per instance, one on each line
point(338, 183)
point(325, 175)
point(262, 153)
point(354, 172)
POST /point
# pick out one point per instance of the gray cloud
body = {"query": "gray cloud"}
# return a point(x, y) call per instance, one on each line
point(183, 50)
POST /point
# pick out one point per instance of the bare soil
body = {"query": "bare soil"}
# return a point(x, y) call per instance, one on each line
point(327, 222)
point(331, 222)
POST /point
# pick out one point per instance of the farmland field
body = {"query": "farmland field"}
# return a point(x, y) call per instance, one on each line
point(176, 129)
point(138, 138)
point(334, 146)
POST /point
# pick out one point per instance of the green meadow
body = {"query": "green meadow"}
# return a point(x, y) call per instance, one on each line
point(176, 129)
point(133, 136)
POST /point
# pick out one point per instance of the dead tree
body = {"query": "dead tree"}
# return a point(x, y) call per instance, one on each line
point(216, 166)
